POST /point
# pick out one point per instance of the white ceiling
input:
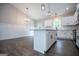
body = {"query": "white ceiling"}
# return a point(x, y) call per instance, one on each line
point(34, 9)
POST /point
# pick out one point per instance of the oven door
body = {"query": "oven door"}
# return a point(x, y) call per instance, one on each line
point(77, 39)
point(77, 42)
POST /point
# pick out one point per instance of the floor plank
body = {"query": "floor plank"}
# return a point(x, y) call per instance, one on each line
point(63, 48)
point(24, 47)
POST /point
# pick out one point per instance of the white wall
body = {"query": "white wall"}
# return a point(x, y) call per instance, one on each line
point(13, 23)
point(8, 31)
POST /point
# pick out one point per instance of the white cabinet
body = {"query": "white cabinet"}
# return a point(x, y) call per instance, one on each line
point(76, 15)
point(50, 38)
point(71, 20)
point(68, 20)
point(65, 34)
point(43, 39)
point(48, 23)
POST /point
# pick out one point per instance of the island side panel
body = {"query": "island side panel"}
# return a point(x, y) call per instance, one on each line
point(40, 41)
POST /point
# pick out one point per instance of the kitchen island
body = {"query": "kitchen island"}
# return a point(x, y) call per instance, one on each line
point(44, 39)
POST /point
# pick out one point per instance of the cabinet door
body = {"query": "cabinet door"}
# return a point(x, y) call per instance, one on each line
point(75, 17)
point(51, 38)
point(68, 20)
point(48, 40)
point(54, 36)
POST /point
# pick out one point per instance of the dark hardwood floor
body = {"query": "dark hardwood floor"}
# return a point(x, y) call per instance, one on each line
point(63, 48)
point(24, 47)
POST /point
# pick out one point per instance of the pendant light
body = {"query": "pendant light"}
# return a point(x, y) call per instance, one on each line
point(49, 12)
point(27, 19)
point(42, 7)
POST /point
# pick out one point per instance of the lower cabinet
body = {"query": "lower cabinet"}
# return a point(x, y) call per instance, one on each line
point(43, 39)
point(65, 34)
point(51, 38)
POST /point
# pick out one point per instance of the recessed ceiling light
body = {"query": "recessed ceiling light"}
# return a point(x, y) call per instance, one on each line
point(67, 8)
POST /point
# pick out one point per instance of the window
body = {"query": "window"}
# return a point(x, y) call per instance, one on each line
point(56, 23)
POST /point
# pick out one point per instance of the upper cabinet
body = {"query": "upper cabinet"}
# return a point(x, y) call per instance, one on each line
point(48, 23)
point(76, 15)
point(68, 20)
point(71, 20)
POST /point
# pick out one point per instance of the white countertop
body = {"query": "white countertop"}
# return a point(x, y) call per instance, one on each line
point(43, 29)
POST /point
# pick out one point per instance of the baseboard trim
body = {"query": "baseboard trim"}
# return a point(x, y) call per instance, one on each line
point(64, 39)
point(51, 46)
point(15, 37)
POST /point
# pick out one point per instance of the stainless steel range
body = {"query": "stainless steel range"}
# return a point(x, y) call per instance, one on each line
point(77, 39)
point(74, 36)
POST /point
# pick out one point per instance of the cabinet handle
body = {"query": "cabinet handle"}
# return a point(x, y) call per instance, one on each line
point(51, 36)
